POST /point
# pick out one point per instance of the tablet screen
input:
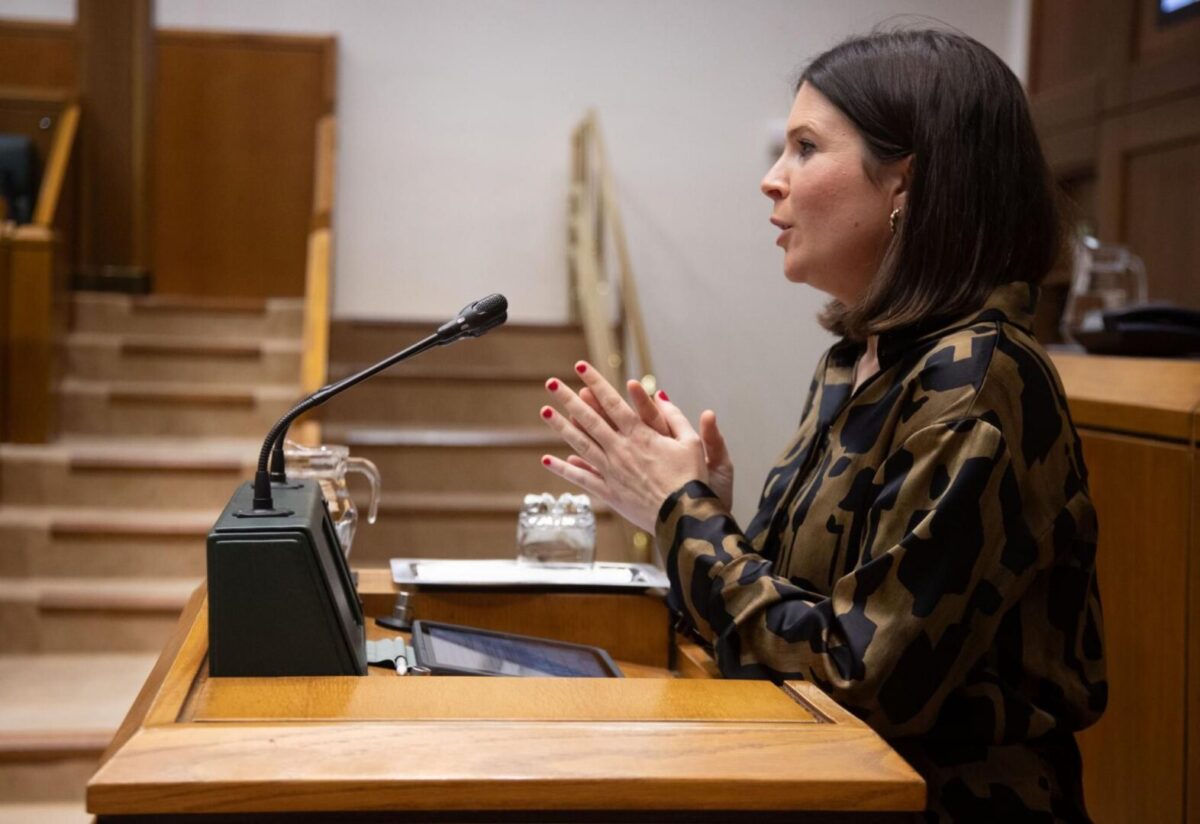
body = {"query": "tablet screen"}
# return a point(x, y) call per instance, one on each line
point(504, 655)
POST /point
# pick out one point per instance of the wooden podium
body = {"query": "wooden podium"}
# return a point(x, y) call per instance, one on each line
point(668, 742)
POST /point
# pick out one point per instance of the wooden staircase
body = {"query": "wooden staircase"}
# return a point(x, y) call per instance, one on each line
point(161, 409)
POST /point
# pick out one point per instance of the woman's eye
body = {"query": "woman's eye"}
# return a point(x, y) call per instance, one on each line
point(805, 148)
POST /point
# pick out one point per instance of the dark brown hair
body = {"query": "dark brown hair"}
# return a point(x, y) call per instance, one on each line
point(982, 208)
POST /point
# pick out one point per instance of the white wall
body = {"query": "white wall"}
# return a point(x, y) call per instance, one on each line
point(454, 119)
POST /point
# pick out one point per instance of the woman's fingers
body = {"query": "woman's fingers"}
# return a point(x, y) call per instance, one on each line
point(644, 405)
point(575, 460)
point(715, 451)
point(587, 420)
point(574, 435)
point(589, 482)
point(611, 403)
point(587, 397)
point(680, 427)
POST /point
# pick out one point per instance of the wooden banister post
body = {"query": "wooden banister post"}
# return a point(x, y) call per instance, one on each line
point(116, 48)
point(28, 393)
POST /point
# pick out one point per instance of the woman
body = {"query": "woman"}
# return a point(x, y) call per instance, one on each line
point(924, 549)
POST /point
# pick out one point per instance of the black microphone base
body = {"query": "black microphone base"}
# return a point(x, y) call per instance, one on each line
point(281, 599)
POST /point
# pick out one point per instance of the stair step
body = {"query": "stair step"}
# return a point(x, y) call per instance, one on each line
point(445, 459)
point(149, 408)
point(460, 525)
point(90, 614)
point(51, 813)
point(193, 358)
point(534, 350)
point(99, 542)
point(57, 714)
point(134, 472)
point(171, 315)
point(403, 399)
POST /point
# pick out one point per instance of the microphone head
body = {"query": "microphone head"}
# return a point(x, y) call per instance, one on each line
point(484, 315)
point(475, 319)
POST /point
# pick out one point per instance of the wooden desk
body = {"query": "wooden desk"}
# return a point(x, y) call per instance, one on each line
point(1139, 421)
point(642, 747)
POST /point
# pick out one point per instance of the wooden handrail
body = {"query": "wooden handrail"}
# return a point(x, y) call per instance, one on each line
point(57, 163)
point(315, 361)
point(323, 175)
point(314, 364)
point(608, 316)
point(595, 228)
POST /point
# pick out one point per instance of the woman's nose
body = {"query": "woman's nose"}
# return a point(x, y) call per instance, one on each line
point(774, 184)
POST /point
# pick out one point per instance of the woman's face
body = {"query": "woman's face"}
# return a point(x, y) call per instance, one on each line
point(834, 219)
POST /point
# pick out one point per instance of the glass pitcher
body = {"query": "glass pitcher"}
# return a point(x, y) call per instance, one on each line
point(329, 464)
point(1106, 276)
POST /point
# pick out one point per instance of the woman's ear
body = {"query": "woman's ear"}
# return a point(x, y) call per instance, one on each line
point(898, 180)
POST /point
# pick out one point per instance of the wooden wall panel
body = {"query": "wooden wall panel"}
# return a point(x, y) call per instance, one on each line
point(116, 56)
point(40, 55)
point(33, 114)
point(1162, 219)
point(1134, 757)
point(236, 125)
point(1116, 99)
point(1154, 43)
point(232, 146)
point(1066, 45)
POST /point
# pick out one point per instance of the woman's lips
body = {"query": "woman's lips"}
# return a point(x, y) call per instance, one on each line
point(779, 224)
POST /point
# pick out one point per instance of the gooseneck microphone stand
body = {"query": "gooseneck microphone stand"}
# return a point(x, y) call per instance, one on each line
point(473, 320)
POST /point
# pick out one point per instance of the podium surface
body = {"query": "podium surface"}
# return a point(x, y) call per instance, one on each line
point(667, 739)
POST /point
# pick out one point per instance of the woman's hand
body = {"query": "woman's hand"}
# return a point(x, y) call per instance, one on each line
point(716, 454)
point(716, 458)
point(620, 459)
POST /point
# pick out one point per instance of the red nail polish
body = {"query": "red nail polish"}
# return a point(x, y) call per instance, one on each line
point(662, 396)
point(552, 385)
point(545, 461)
point(547, 412)
point(581, 368)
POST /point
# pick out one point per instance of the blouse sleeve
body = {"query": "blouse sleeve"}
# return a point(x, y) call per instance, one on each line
point(946, 552)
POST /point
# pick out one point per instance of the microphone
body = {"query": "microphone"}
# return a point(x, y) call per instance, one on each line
point(282, 599)
point(472, 320)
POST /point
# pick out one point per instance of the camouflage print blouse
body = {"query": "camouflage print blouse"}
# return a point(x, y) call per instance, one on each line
point(924, 552)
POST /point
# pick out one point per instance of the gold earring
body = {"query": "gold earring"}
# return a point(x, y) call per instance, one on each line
point(892, 219)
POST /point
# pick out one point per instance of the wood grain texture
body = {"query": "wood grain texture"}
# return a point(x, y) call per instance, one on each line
point(38, 55)
point(1066, 43)
point(1124, 137)
point(234, 148)
point(1142, 395)
point(314, 367)
point(446, 766)
point(485, 744)
point(1160, 220)
point(1134, 756)
point(494, 699)
point(1165, 60)
point(116, 71)
point(633, 627)
point(57, 165)
point(31, 286)
point(170, 675)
